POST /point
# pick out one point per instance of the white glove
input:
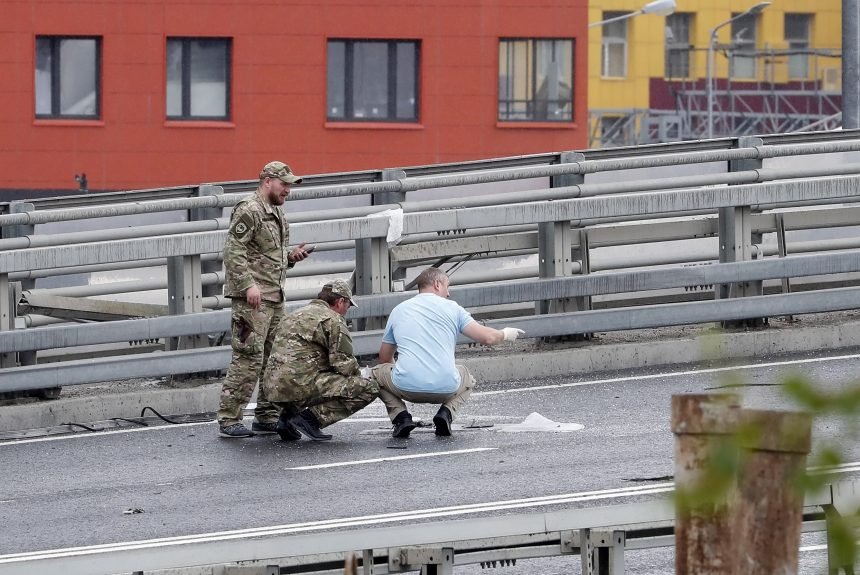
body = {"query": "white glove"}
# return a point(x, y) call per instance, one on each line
point(364, 372)
point(512, 333)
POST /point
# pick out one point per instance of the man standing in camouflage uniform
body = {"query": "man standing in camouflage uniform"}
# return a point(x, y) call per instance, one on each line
point(312, 367)
point(256, 259)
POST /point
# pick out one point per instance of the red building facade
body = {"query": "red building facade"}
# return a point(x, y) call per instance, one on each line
point(153, 93)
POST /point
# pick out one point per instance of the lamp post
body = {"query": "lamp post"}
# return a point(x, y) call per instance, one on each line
point(658, 7)
point(712, 44)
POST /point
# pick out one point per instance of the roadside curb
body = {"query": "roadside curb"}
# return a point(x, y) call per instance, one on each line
point(577, 358)
point(166, 401)
point(718, 346)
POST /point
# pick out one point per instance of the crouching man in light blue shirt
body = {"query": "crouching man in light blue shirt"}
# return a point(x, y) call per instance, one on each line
point(423, 331)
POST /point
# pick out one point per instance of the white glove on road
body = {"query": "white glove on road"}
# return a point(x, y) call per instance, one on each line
point(512, 333)
point(364, 372)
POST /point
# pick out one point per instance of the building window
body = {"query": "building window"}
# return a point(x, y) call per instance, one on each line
point(614, 46)
point(68, 75)
point(535, 80)
point(678, 47)
point(373, 80)
point(198, 78)
point(797, 32)
point(743, 63)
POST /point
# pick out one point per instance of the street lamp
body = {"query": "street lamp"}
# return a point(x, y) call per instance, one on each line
point(658, 7)
point(712, 44)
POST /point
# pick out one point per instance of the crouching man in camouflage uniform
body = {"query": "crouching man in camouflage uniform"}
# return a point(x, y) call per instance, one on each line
point(311, 373)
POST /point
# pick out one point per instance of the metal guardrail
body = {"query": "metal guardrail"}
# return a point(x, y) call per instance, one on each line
point(561, 223)
point(643, 204)
point(478, 296)
point(366, 343)
point(606, 532)
point(566, 192)
point(398, 182)
point(368, 176)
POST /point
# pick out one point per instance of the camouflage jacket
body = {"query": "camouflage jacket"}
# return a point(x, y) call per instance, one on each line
point(256, 249)
point(311, 340)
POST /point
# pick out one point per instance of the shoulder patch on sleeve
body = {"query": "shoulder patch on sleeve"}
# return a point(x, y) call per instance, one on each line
point(242, 226)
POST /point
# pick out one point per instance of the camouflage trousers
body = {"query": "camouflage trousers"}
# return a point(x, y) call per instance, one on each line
point(329, 396)
point(393, 397)
point(253, 332)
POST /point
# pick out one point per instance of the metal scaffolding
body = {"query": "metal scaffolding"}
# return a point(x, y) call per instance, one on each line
point(741, 107)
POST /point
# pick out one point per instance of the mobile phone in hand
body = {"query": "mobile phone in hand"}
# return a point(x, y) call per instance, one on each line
point(309, 249)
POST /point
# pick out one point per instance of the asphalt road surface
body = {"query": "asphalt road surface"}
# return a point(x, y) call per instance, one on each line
point(173, 480)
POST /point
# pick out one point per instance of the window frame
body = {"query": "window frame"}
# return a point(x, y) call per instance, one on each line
point(606, 41)
point(56, 74)
point(745, 44)
point(391, 116)
point(682, 48)
point(185, 81)
point(798, 43)
point(531, 81)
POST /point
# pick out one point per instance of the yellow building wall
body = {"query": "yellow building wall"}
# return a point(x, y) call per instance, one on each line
point(646, 44)
point(645, 39)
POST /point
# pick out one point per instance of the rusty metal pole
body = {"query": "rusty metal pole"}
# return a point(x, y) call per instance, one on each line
point(702, 424)
point(768, 516)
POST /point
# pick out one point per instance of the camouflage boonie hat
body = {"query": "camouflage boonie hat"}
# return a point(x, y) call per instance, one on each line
point(281, 171)
point(341, 288)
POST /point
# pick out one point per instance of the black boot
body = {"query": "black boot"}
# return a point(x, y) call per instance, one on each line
point(442, 421)
point(403, 425)
point(307, 423)
point(285, 429)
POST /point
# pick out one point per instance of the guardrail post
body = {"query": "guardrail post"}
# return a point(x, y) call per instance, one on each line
point(586, 551)
point(385, 198)
point(556, 246)
point(782, 250)
point(20, 230)
point(737, 239)
point(372, 260)
point(703, 426)
point(444, 568)
point(607, 556)
point(24, 357)
point(7, 317)
point(432, 560)
point(244, 570)
point(184, 295)
point(845, 498)
point(367, 562)
point(600, 552)
point(200, 214)
point(10, 293)
point(769, 510)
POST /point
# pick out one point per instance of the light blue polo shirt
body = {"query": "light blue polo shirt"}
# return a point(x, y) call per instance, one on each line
point(425, 329)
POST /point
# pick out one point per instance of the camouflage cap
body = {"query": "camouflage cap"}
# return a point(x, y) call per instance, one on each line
point(281, 171)
point(341, 288)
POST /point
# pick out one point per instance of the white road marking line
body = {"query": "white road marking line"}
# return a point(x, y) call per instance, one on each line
point(393, 458)
point(821, 547)
point(666, 374)
point(846, 467)
point(483, 393)
point(352, 521)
